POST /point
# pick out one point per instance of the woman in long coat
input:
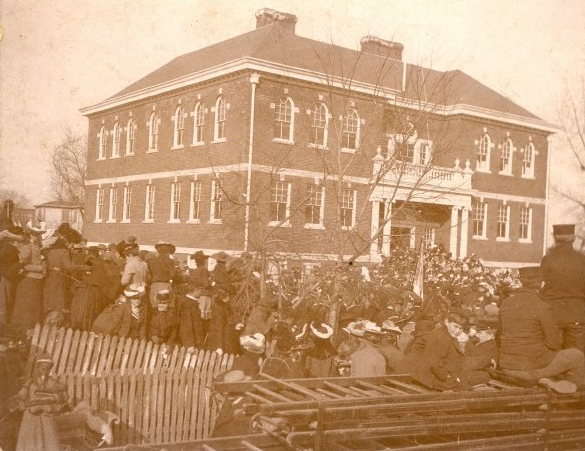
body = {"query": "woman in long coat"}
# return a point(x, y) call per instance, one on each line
point(28, 300)
point(89, 299)
point(56, 293)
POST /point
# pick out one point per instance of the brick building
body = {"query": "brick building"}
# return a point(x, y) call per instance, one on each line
point(272, 141)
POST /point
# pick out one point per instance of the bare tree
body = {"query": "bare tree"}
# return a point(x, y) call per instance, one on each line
point(69, 165)
point(20, 200)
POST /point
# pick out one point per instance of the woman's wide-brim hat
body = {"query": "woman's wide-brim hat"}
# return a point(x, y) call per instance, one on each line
point(160, 244)
point(36, 227)
point(321, 330)
point(133, 291)
point(220, 256)
point(199, 255)
point(255, 343)
point(234, 376)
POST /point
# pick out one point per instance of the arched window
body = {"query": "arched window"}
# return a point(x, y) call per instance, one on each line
point(116, 141)
point(320, 125)
point(528, 161)
point(220, 113)
point(506, 157)
point(350, 134)
point(483, 153)
point(284, 119)
point(179, 120)
point(102, 143)
point(130, 136)
point(153, 133)
point(198, 123)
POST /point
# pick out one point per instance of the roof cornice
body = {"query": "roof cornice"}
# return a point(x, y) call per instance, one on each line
point(255, 64)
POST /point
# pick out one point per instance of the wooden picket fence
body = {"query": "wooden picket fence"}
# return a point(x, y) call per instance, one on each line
point(159, 394)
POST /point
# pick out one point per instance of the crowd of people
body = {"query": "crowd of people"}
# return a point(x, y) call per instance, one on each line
point(341, 319)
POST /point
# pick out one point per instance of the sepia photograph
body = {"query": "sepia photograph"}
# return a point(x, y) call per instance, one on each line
point(273, 225)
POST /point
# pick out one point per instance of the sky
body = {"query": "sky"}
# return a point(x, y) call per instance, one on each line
point(57, 56)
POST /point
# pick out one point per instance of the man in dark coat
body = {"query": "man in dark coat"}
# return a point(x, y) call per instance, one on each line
point(162, 269)
point(563, 271)
point(219, 337)
point(530, 342)
point(163, 324)
point(9, 268)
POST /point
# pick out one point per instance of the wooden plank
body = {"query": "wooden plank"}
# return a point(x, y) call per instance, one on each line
point(73, 351)
point(96, 355)
point(168, 404)
point(214, 361)
point(153, 359)
point(176, 376)
point(88, 352)
point(161, 382)
point(181, 394)
point(62, 366)
point(108, 364)
point(137, 361)
point(94, 392)
point(132, 406)
point(57, 349)
point(42, 344)
point(50, 345)
point(146, 357)
point(146, 406)
point(133, 352)
point(103, 394)
point(381, 388)
point(125, 407)
point(101, 362)
point(80, 352)
point(140, 395)
point(126, 355)
point(119, 351)
point(200, 399)
point(189, 383)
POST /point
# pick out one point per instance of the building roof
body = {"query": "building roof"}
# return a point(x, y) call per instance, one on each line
point(276, 43)
point(60, 204)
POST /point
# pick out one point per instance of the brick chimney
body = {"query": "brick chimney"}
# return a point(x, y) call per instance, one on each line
point(267, 16)
point(382, 47)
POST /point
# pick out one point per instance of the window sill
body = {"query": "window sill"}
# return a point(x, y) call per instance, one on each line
point(507, 174)
point(346, 228)
point(114, 157)
point(215, 221)
point(174, 221)
point(198, 144)
point(279, 224)
point(98, 221)
point(318, 146)
point(348, 150)
point(178, 147)
point(152, 151)
point(148, 221)
point(314, 226)
point(129, 154)
point(483, 171)
point(219, 140)
point(101, 159)
point(111, 221)
point(503, 240)
point(479, 238)
point(283, 141)
point(125, 221)
point(525, 241)
point(528, 177)
point(194, 221)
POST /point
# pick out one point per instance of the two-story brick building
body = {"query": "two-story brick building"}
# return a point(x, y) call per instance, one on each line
point(272, 141)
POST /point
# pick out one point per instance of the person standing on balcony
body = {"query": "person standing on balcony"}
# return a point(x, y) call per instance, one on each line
point(563, 272)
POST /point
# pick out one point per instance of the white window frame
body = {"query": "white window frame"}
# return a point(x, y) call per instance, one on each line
point(483, 208)
point(503, 219)
point(116, 140)
point(99, 205)
point(113, 204)
point(484, 143)
point(429, 236)
point(276, 184)
point(102, 143)
point(320, 115)
point(216, 198)
point(220, 119)
point(149, 203)
point(130, 137)
point(311, 190)
point(507, 169)
point(528, 225)
point(179, 128)
point(342, 207)
point(528, 163)
point(175, 210)
point(153, 132)
point(127, 204)
point(195, 202)
point(284, 114)
point(198, 124)
point(347, 131)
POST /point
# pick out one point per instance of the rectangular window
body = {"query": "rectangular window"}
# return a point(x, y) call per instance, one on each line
point(480, 220)
point(280, 202)
point(113, 204)
point(149, 204)
point(528, 161)
point(347, 208)
point(116, 142)
point(424, 154)
point(199, 123)
point(195, 202)
point(175, 202)
point(506, 157)
point(526, 224)
point(130, 137)
point(314, 205)
point(503, 222)
point(429, 236)
point(216, 202)
point(406, 152)
point(99, 205)
point(127, 204)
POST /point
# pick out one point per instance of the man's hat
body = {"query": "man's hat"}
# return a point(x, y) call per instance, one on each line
point(163, 296)
point(220, 256)
point(102, 247)
point(160, 244)
point(134, 290)
point(564, 230)
point(198, 255)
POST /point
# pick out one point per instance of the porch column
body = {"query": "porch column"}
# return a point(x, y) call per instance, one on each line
point(453, 234)
point(374, 227)
point(387, 228)
point(464, 232)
